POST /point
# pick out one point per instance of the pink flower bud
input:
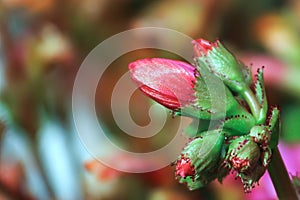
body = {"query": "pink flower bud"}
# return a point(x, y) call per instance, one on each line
point(169, 82)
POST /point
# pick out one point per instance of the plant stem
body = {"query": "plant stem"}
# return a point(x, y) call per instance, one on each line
point(280, 178)
point(252, 102)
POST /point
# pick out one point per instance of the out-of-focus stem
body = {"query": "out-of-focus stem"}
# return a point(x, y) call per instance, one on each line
point(280, 178)
point(41, 168)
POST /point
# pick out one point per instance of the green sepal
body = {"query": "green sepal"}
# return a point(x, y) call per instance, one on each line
point(274, 126)
point(196, 127)
point(238, 125)
point(261, 97)
point(210, 88)
point(211, 98)
point(204, 151)
point(223, 171)
point(266, 156)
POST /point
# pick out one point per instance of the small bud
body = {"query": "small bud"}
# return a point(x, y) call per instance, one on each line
point(261, 135)
point(250, 179)
point(184, 167)
point(199, 161)
point(243, 154)
point(215, 57)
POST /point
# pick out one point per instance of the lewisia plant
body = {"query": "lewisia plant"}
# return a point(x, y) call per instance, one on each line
point(244, 142)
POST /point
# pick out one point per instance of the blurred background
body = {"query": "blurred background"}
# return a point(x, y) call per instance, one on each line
point(43, 43)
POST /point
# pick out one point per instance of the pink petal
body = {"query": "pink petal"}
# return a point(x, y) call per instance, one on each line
point(169, 82)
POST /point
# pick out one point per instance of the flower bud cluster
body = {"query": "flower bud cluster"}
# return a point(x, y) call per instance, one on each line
point(242, 142)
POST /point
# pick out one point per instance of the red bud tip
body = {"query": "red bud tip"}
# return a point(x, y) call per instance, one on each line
point(184, 167)
point(201, 46)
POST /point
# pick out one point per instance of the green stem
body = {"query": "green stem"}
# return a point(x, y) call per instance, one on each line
point(280, 178)
point(252, 102)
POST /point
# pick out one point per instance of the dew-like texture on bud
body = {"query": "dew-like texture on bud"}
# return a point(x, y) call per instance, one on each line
point(199, 162)
point(169, 82)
